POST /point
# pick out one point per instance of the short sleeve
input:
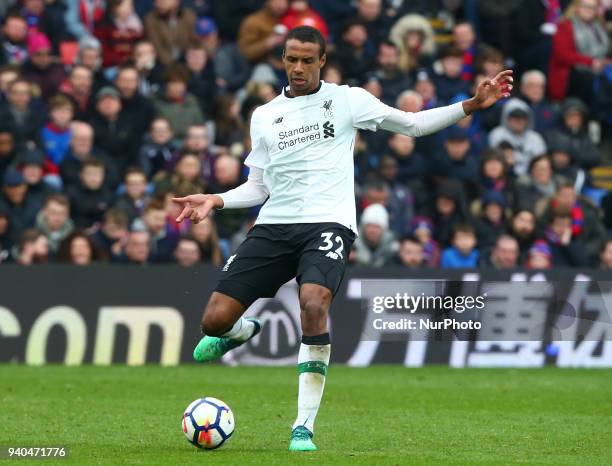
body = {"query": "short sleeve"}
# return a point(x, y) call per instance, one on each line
point(258, 157)
point(367, 111)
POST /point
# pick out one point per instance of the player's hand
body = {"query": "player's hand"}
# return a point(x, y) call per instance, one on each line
point(490, 91)
point(197, 206)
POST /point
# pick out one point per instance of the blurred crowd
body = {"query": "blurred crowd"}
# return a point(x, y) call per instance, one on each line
point(109, 108)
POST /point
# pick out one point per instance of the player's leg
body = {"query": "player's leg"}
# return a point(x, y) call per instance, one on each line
point(224, 327)
point(313, 360)
point(260, 265)
point(320, 271)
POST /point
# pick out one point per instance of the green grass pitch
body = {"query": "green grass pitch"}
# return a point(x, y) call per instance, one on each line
point(379, 415)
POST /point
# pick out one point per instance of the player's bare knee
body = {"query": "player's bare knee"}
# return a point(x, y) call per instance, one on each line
point(314, 303)
point(214, 321)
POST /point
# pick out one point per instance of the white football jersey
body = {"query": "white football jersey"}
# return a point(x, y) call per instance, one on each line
point(305, 145)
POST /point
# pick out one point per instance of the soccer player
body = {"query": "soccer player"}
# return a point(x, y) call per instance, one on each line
point(302, 162)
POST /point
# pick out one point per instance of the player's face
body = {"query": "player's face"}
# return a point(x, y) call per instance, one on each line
point(303, 66)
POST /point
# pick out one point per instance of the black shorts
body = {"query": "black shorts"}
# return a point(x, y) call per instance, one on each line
point(271, 255)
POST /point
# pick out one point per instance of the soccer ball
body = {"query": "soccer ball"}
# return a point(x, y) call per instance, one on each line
point(208, 423)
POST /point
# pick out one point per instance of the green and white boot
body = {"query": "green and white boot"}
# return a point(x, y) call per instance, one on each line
point(211, 348)
point(301, 440)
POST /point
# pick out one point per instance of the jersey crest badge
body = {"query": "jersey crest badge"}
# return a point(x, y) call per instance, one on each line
point(327, 106)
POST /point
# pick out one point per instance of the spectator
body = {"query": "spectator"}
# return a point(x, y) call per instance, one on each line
point(82, 15)
point(113, 131)
point(57, 132)
point(227, 176)
point(494, 174)
point(79, 86)
point(112, 234)
point(586, 224)
point(376, 245)
point(535, 23)
point(150, 70)
point(354, 53)
point(231, 68)
point(201, 82)
point(54, 221)
point(258, 36)
point(464, 38)
point(79, 249)
point(7, 149)
point(422, 228)
point(13, 45)
point(411, 164)
point(187, 253)
point(31, 163)
point(33, 248)
point(426, 88)
point(41, 16)
point(538, 187)
point(186, 178)
point(463, 253)
point(605, 255)
point(492, 222)
point(134, 106)
point(197, 142)
point(133, 200)
point(372, 15)
point(573, 133)
point(479, 139)
point(90, 198)
point(410, 254)
point(579, 51)
point(533, 91)
point(449, 209)
point(21, 115)
point(563, 165)
point(400, 202)
point(301, 14)
point(228, 126)
point(137, 248)
point(21, 207)
point(118, 32)
point(490, 62)
point(387, 73)
point(158, 148)
point(454, 161)
point(176, 104)
point(505, 254)
point(5, 241)
point(448, 79)
point(567, 250)
point(170, 28)
point(154, 223)
point(81, 150)
point(516, 128)
point(523, 229)
point(41, 69)
point(539, 256)
point(414, 37)
point(89, 55)
point(8, 74)
point(205, 233)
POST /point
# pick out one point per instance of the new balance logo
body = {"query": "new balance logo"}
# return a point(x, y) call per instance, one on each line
point(328, 130)
point(230, 259)
point(277, 121)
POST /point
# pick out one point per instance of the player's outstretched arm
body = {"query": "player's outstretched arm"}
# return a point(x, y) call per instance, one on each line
point(250, 193)
point(429, 121)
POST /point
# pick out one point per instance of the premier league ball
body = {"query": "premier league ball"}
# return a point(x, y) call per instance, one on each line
point(208, 423)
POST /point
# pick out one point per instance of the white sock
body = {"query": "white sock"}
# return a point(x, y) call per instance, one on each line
point(312, 365)
point(241, 331)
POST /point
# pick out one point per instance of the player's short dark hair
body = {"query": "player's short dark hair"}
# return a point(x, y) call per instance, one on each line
point(307, 34)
